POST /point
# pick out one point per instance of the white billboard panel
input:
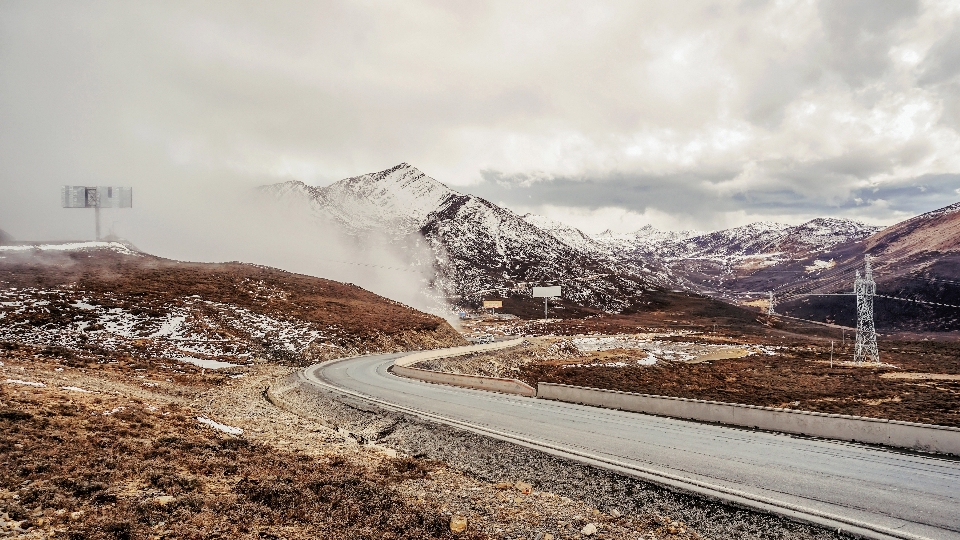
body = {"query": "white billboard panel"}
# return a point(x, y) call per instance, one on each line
point(94, 197)
point(546, 292)
point(492, 304)
point(115, 196)
point(73, 196)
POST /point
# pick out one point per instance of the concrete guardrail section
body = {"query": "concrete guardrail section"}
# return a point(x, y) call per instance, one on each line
point(911, 435)
point(402, 368)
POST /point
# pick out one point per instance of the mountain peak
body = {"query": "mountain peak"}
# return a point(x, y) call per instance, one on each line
point(401, 196)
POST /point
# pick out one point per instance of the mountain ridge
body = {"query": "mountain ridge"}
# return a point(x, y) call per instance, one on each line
point(481, 249)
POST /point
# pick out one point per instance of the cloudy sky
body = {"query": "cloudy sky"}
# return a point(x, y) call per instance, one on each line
point(601, 114)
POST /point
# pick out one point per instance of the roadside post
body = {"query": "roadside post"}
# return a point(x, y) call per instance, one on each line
point(546, 293)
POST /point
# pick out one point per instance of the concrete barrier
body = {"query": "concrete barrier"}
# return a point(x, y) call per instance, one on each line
point(925, 437)
point(402, 368)
point(493, 384)
point(434, 354)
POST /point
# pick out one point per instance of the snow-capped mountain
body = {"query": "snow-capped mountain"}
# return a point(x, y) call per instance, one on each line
point(570, 236)
point(480, 248)
point(760, 239)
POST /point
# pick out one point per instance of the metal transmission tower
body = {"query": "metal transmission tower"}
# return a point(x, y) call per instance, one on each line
point(865, 289)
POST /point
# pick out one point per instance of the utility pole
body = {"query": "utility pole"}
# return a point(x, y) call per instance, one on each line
point(831, 353)
point(865, 289)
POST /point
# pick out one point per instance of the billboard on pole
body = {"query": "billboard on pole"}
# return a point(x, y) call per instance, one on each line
point(492, 304)
point(546, 292)
point(96, 197)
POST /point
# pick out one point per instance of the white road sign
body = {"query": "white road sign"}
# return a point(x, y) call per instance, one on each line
point(546, 292)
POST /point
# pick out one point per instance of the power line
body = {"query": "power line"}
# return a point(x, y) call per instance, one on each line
point(919, 278)
point(372, 265)
point(917, 301)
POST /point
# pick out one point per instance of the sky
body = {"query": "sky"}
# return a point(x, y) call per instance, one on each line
point(603, 115)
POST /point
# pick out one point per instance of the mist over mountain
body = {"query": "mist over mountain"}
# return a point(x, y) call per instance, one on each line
point(477, 249)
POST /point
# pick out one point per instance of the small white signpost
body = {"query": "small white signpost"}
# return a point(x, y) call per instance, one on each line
point(96, 197)
point(546, 293)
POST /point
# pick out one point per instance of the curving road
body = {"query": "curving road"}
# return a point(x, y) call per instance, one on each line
point(874, 492)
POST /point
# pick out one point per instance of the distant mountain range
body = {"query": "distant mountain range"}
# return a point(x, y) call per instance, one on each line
point(483, 250)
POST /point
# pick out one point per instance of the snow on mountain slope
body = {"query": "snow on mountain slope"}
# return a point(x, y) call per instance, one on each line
point(647, 240)
point(570, 236)
point(400, 196)
point(760, 239)
point(480, 248)
point(752, 239)
point(395, 200)
point(824, 233)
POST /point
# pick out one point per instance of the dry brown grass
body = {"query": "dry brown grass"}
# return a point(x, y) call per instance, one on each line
point(148, 283)
point(796, 377)
point(67, 466)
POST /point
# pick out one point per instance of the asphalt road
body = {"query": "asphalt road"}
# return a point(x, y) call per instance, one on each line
point(879, 492)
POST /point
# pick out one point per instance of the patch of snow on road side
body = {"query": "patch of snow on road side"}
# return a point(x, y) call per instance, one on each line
point(75, 389)
point(26, 383)
point(206, 363)
point(220, 427)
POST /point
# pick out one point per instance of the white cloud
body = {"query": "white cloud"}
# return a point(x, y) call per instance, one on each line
point(771, 109)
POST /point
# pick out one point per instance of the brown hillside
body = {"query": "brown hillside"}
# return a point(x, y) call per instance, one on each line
point(111, 296)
